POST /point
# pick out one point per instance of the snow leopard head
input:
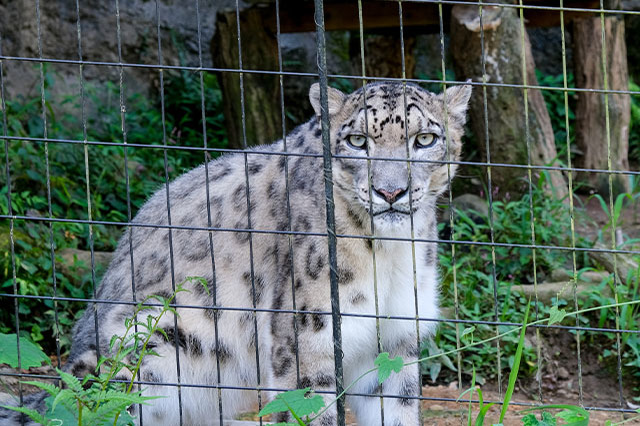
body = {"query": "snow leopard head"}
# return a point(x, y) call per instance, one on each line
point(373, 132)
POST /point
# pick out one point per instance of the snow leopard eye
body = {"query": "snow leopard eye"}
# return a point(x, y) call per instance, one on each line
point(426, 140)
point(357, 141)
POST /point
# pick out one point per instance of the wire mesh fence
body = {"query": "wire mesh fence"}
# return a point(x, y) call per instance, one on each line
point(490, 262)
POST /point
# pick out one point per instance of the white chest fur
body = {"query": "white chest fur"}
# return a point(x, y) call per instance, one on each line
point(405, 287)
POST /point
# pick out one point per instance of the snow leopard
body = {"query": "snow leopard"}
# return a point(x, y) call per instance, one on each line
point(253, 224)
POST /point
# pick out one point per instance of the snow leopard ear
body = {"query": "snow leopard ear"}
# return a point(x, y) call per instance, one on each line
point(335, 99)
point(457, 101)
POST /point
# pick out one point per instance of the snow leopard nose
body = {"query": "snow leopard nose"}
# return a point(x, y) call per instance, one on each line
point(391, 196)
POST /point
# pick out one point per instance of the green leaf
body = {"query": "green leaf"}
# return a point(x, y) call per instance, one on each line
point(33, 414)
point(29, 267)
point(302, 402)
point(556, 315)
point(30, 354)
point(447, 362)
point(386, 366)
point(51, 389)
point(513, 376)
point(546, 420)
point(125, 419)
point(572, 414)
point(64, 394)
point(472, 388)
point(468, 330)
point(434, 371)
point(483, 413)
point(71, 381)
point(61, 414)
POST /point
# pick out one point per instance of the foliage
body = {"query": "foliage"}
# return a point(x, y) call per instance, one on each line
point(546, 419)
point(474, 264)
point(511, 226)
point(303, 402)
point(300, 403)
point(625, 318)
point(626, 289)
point(109, 193)
point(570, 415)
point(482, 408)
point(97, 399)
point(30, 354)
point(513, 375)
point(386, 366)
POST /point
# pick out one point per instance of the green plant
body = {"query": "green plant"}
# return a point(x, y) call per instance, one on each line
point(626, 288)
point(482, 407)
point(45, 320)
point(97, 399)
point(626, 318)
point(475, 268)
point(30, 353)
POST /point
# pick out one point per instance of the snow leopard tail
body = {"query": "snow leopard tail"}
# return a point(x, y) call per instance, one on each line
point(9, 417)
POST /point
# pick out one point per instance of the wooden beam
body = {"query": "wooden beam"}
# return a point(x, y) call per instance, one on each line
point(297, 16)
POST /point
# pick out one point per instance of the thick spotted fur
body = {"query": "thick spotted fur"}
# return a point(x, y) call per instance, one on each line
point(294, 350)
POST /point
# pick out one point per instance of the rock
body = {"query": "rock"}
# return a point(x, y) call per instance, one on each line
point(139, 41)
point(76, 263)
point(436, 407)
point(547, 291)
point(595, 277)
point(474, 206)
point(563, 373)
point(625, 265)
point(549, 60)
point(18, 235)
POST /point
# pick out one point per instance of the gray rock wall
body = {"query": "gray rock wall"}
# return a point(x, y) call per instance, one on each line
point(138, 31)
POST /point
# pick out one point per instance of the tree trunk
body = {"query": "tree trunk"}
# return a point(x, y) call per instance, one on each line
point(261, 91)
point(591, 126)
point(382, 55)
point(505, 105)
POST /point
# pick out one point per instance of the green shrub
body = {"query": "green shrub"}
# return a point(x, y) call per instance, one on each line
point(474, 281)
point(108, 189)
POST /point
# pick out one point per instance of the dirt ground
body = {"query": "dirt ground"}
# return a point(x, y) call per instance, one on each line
point(455, 413)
